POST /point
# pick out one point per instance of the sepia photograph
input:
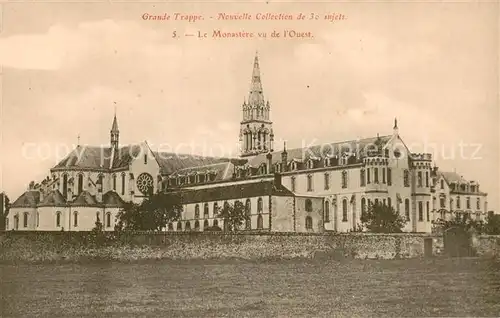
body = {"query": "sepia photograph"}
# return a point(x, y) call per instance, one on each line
point(249, 159)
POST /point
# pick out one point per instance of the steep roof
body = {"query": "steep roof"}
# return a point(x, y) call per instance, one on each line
point(451, 177)
point(124, 156)
point(330, 149)
point(28, 199)
point(222, 170)
point(53, 198)
point(231, 192)
point(112, 199)
point(86, 157)
point(171, 162)
point(85, 199)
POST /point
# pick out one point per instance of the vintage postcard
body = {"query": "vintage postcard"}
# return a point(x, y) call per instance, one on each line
point(253, 158)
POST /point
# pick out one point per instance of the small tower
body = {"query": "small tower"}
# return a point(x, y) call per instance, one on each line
point(256, 132)
point(395, 130)
point(115, 134)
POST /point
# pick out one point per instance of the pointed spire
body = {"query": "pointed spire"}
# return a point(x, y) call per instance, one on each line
point(256, 96)
point(284, 146)
point(114, 127)
point(395, 129)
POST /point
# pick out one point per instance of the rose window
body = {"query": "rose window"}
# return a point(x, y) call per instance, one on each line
point(145, 183)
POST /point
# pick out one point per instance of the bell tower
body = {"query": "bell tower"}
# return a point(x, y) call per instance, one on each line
point(256, 128)
point(115, 134)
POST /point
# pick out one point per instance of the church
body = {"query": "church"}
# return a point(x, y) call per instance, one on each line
point(315, 189)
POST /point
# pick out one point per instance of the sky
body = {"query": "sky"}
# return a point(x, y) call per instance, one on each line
point(66, 69)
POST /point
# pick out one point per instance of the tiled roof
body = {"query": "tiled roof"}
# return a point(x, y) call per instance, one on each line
point(231, 192)
point(112, 199)
point(53, 198)
point(321, 151)
point(124, 156)
point(222, 170)
point(84, 199)
point(452, 177)
point(28, 199)
point(86, 157)
point(171, 162)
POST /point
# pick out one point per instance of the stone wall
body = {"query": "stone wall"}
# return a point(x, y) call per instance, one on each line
point(75, 246)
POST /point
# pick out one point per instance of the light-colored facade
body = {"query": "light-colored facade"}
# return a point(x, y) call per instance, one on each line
point(345, 178)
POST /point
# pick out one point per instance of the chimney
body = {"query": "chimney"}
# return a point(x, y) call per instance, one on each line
point(277, 180)
point(269, 158)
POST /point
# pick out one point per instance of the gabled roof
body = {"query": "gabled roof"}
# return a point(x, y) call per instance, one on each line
point(232, 192)
point(28, 199)
point(84, 199)
point(451, 177)
point(112, 199)
point(323, 150)
point(90, 157)
point(171, 162)
point(53, 198)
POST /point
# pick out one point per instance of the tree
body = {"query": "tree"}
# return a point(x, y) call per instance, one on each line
point(233, 215)
point(492, 224)
point(153, 214)
point(382, 219)
point(4, 209)
point(461, 221)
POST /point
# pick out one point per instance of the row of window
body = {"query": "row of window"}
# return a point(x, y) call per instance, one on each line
point(192, 179)
point(206, 224)
point(442, 202)
point(248, 208)
point(100, 179)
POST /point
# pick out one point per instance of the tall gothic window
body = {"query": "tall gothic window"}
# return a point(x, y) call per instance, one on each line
point(419, 178)
point(407, 209)
point(75, 219)
point(108, 220)
point(58, 219)
point(80, 183)
point(406, 178)
point(383, 175)
point(114, 182)
point(327, 181)
point(309, 183)
point(65, 185)
point(25, 219)
point(216, 208)
point(344, 210)
point(389, 176)
point(344, 179)
point(327, 211)
point(375, 175)
point(309, 223)
point(362, 177)
point(368, 179)
point(197, 211)
point(205, 211)
point(427, 178)
point(123, 183)
point(260, 205)
point(420, 211)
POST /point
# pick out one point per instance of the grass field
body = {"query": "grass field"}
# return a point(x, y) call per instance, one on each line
point(313, 288)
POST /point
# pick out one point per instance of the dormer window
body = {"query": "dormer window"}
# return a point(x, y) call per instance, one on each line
point(293, 166)
point(192, 179)
point(327, 162)
point(263, 169)
point(310, 164)
point(277, 167)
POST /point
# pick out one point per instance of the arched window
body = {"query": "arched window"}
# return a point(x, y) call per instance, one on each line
point(179, 226)
point(248, 207)
point(260, 222)
point(123, 183)
point(375, 175)
point(442, 184)
point(293, 166)
point(25, 219)
point(383, 175)
point(308, 205)
point(58, 219)
point(80, 183)
point(427, 211)
point(248, 223)
point(205, 211)
point(407, 209)
point(260, 205)
point(478, 204)
point(108, 219)
point(196, 211)
point(216, 208)
point(114, 182)
point(363, 206)
point(368, 179)
point(75, 219)
point(65, 185)
point(467, 202)
point(406, 178)
point(344, 179)
point(188, 226)
point(309, 223)
point(197, 225)
point(344, 210)
point(309, 183)
point(362, 177)
point(327, 211)
point(216, 223)
point(100, 185)
point(205, 224)
point(16, 222)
